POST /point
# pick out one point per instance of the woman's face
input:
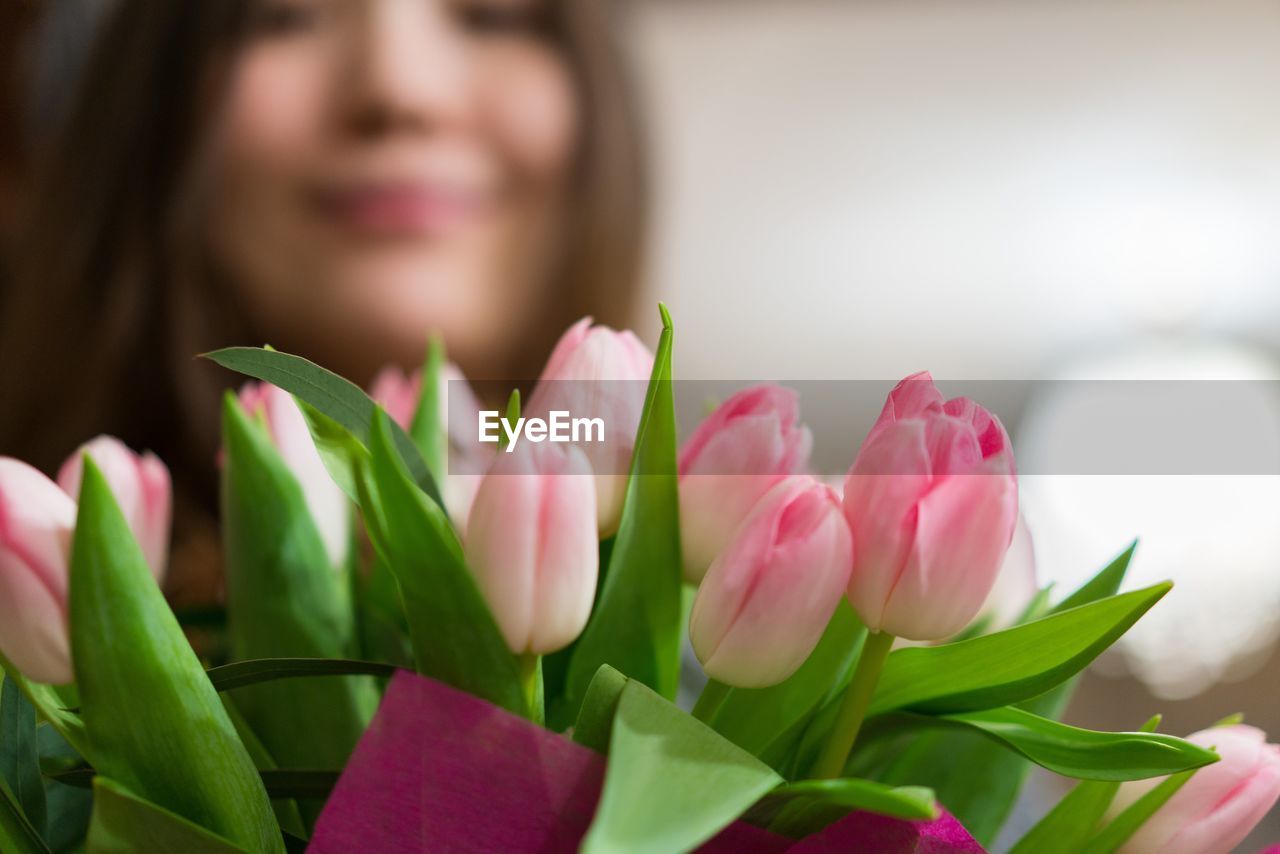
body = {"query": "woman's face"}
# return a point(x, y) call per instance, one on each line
point(387, 169)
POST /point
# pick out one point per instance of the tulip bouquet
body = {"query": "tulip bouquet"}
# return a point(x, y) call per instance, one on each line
point(433, 642)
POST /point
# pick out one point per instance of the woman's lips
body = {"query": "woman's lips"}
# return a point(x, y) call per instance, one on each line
point(399, 209)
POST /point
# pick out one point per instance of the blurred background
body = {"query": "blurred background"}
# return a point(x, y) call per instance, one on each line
point(990, 190)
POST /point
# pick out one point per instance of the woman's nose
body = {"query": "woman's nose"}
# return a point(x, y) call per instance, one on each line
point(408, 68)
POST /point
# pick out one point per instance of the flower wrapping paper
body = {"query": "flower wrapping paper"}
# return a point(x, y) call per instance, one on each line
point(439, 769)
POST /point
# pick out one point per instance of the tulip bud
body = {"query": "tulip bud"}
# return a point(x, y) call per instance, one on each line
point(330, 509)
point(398, 394)
point(750, 443)
point(141, 486)
point(768, 597)
point(595, 372)
point(1217, 808)
point(531, 543)
point(932, 501)
point(36, 522)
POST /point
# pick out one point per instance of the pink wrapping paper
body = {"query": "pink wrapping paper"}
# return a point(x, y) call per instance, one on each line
point(441, 770)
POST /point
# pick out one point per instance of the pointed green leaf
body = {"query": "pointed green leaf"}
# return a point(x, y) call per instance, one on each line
point(284, 599)
point(155, 724)
point(671, 783)
point(595, 718)
point(241, 673)
point(636, 624)
point(1009, 666)
point(1075, 752)
point(455, 638)
point(339, 399)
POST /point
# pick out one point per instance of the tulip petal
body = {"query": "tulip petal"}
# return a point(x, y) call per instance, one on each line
point(890, 475)
point(910, 398)
point(963, 529)
point(36, 520)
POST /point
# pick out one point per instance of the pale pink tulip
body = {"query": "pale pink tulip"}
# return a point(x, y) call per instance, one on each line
point(141, 486)
point(36, 522)
point(769, 595)
point(398, 393)
point(932, 501)
point(531, 543)
point(751, 442)
point(329, 506)
point(1217, 808)
point(596, 372)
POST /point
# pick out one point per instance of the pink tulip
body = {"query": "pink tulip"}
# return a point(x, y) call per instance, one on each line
point(531, 543)
point(329, 506)
point(398, 393)
point(141, 486)
point(750, 443)
point(769, 595)
point(932, 501)
point(1214, 810)
point(595, 372)
point(36, 522)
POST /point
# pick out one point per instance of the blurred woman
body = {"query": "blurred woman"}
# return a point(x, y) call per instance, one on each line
point(339, 178)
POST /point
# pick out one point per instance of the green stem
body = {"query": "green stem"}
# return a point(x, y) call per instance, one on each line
point(531, 685)
point(853, 708)
point(710, 701)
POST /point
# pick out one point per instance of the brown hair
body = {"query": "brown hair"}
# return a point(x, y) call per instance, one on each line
point(91, 334)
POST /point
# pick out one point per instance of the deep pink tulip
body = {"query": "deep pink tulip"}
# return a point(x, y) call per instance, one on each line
point(596, 372)
point(1217, 808)
point(329, 506)
point(932, 501)
point(769, 595)
point(531, 543)
point(36, 522)
point(141, 486)
point(750, 443)
point(398, 393)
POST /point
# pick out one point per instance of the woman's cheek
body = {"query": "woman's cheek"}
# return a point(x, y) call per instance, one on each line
point(275, 110)
point(531, 108)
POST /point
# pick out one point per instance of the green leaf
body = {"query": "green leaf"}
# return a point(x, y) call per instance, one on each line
point(671, 783)
point(339, 399)
point(1009, 666)
point(16, 833)
point(1123, 826)
point(340, 451)
point(754, 718)
point(155, 723)
point(977, 779)
point(455, 638)
point(241, 673)
point(124, 823)
point(19, 758)
point(286, 810)
point(426, 430)
point(1066, 827)
point(284, 599)
point(636, 625)
point(800, 809)
point(1074, 752)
